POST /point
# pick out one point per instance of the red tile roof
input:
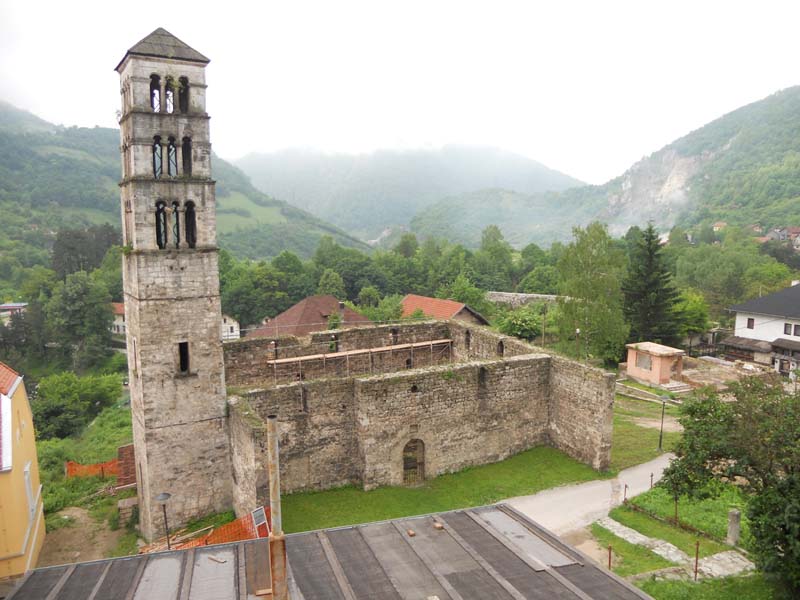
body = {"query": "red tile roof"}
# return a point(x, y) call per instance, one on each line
point(431, 307)
point(308, 316)
point(8, 377)
point(119, 308)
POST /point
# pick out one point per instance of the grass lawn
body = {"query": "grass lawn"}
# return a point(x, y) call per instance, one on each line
point(656, 529)
point(525, 473)
point(753, 587)
point(709, 515)
point(630, 558)
point(633, 445)
point(631, 407)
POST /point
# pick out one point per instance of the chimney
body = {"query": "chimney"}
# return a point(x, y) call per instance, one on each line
point(277, 542)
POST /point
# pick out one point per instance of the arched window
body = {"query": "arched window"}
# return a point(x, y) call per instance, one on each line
point(501, 348)
point(161, 224)
point(190, 224)
point(169, 96)
point(157, 165)
point(414, 462)
point(186, 152)
point(183, 94)
point(172, 158)
point(176, 224)
point(409, 363)
point(394, 334)
point(467, 339)
point(155, 93)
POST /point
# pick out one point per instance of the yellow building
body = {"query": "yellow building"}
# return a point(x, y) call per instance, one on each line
point(21, 516)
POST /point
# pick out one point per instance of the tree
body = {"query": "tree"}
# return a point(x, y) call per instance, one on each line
point(541, 280)
point(755, 442)
point(65, 403)
point(79, 317)
point(407, 246)
point(591, 268)
point(650, 297)
point(369, 296)
point(331, 283)
point(251, 292)
point(524, 322)
point(691, 312)
point(463, 290)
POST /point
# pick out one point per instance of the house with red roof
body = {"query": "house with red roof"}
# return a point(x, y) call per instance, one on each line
point(310, 315)
point(118, 326)
point(21, 509)
point(439, 308)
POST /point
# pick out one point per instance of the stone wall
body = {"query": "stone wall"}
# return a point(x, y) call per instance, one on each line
point(500, 396)
point(581, 411)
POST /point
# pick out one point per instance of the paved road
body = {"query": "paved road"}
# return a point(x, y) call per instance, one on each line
point(568, 508)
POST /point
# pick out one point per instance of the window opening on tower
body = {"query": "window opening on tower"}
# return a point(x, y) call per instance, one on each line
point(190, 224)
point(161, 224)
point(155, 93)
point(157, 164)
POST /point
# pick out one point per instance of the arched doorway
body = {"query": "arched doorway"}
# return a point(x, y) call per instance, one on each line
point(414, 462)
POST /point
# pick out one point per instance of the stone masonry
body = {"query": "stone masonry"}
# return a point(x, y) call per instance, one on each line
point(496, 396)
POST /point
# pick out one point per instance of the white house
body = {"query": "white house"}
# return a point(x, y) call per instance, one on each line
point(118, 326)
point(229, 328)
point(10, 309)
point(767, 330)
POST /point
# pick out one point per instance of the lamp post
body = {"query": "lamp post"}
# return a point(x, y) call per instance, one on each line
point(163, 498)
point(661, 431)
point(578, 343)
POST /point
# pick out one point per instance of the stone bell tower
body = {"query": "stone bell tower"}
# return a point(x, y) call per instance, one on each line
point(171, 283)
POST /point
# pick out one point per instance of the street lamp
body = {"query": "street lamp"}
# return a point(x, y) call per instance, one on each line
point(578, 343)
point(163, 498)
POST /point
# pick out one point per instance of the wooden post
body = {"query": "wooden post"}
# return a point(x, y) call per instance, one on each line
point(651, 481)
point(696, 557)
point(609, 557)
point(625, 494)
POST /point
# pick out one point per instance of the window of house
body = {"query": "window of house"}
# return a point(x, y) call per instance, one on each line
point(751, 323)
point(787, 329)
point(155, 93)
point(644, 361)
point(797, 329)
point(183, 357)
point(231, 328)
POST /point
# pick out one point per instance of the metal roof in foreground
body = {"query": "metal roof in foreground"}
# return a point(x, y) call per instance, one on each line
point(492, 552)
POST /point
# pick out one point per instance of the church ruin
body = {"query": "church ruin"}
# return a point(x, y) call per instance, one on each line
point(384, 405)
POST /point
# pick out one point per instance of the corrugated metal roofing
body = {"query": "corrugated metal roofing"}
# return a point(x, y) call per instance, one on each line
point(489, 552)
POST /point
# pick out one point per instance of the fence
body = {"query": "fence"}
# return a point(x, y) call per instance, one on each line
point(104, 469)
point(249, 527)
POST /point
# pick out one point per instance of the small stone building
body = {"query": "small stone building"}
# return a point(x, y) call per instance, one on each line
point(653, 363)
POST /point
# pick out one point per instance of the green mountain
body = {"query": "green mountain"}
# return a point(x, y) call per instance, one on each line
point(368, 193)
point(742, 168)
point(53, 177)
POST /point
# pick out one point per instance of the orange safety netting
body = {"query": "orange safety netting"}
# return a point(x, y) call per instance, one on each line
point(239, 530)
point(104, 469)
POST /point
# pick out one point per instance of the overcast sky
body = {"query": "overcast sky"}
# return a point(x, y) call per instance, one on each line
point(587, 88)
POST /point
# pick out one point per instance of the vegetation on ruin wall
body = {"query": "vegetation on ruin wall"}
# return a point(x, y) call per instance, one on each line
point(525, 473)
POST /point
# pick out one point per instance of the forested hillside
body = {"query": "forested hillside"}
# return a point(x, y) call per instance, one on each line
point(742, 168)
point(367, 193)
point(53, 177)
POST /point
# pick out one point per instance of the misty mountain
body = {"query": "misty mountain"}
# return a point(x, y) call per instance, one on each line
point(367, 193)
point(53, 176)
point(742, 168)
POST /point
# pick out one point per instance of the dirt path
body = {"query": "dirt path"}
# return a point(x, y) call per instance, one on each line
point(583, 540)
point(671, 424)
point(84, 540)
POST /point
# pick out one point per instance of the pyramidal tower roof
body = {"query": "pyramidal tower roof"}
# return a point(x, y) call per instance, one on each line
point(162, 44)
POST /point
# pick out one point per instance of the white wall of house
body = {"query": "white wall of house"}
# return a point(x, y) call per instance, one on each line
point(118, 326)
point(229, 328)
point(765, 328)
